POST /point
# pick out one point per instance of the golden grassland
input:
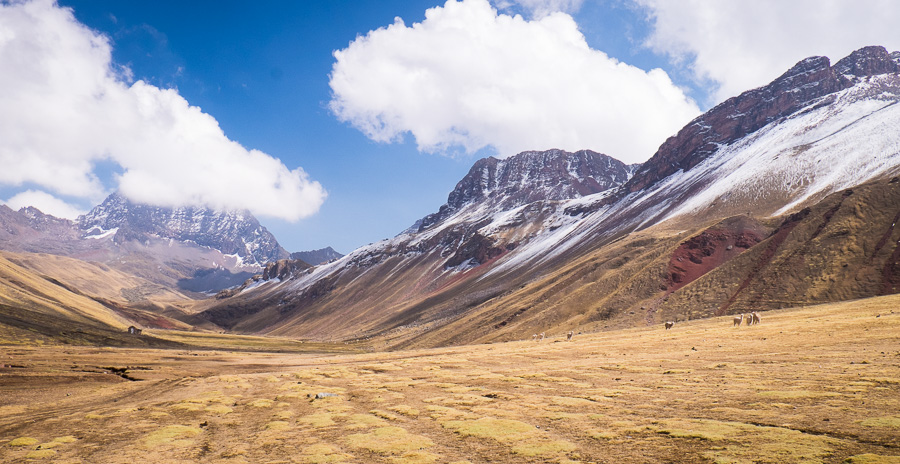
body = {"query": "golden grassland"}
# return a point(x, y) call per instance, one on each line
point(814, 384)
point(236, 342)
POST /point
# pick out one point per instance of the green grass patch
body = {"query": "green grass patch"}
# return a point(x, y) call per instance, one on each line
point(738, 442)
point(40, 454)
point(601, 434)
point(321, 453)
point(869, 458)
point(262, 403)
point(416, 457)
point(318, 420)
point(405, 410)
point(702, 429)
point(65, 439)
point(385, 415)
point(788, 394)
point(543, 447)
point(284, 415)
point(502, 430)
point(388, 440)
point(24, 441)
point(571, 401)
point(220, 409)
point(187, 406)
point(888, 421)
point(173, 435)
point(278, 425)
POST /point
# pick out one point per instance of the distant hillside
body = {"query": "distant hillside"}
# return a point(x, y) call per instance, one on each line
point(53, 298)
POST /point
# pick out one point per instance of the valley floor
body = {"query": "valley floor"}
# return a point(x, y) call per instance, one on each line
point(816, 384)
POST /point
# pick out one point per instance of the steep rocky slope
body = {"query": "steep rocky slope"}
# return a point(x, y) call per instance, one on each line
point(497, 206)
point(842, 248)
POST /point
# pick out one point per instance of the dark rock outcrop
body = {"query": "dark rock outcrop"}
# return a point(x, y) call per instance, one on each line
point(284, 268)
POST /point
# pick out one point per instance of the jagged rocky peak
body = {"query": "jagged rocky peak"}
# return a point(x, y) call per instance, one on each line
point(808, 80)
point(231, 232)
point(40, 221)
point(316, 257)
point(867, 61)
point(533, 176)
point(546, 175)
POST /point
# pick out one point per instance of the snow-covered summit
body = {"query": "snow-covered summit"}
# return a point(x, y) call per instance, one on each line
point(552, 175)
point(231, 232)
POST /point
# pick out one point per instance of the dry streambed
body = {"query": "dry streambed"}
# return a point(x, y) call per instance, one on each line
point(819, 384)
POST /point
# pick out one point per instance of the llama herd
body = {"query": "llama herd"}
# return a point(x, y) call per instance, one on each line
point(748, 319)
point(752, 318)
point(540, 337)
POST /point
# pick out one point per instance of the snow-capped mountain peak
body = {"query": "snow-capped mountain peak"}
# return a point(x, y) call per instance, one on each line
point(231, 232)
point(530, 176)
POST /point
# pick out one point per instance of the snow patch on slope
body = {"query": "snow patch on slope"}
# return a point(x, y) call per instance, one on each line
point(102, 233)
point(817, 151)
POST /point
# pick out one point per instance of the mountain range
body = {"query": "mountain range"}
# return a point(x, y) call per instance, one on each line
point(782, 196)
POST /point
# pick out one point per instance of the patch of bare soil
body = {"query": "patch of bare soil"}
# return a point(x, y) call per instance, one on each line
point(710, 249)
point(816, 384)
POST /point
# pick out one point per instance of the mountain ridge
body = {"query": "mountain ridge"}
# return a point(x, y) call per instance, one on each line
point(438, 273)
point(750, 206)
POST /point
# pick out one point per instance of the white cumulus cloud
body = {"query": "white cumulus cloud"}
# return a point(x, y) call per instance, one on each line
point(65, 107)
point(468, 77)
point(48, 204)
point(541, 8)
point(739, 45)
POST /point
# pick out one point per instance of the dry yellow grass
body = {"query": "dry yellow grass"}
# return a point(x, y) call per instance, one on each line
point(816, 384)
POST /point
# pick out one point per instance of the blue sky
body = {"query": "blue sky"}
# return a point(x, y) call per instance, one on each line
point(265, 72)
